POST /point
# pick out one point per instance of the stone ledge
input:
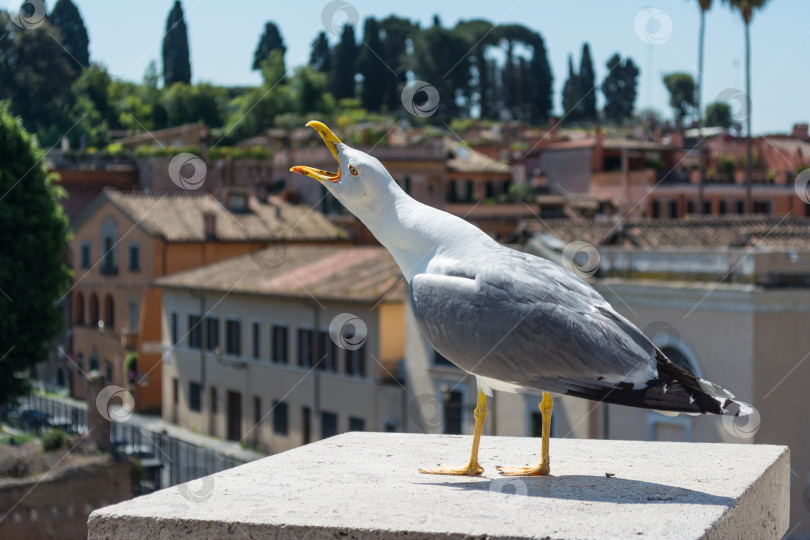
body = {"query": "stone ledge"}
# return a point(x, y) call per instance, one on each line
point(363, 485)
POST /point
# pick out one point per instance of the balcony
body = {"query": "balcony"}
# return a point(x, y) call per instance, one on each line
point(108, 269)
point(367, 485)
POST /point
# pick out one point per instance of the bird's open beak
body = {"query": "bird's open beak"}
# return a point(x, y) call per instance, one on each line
point(331, 143)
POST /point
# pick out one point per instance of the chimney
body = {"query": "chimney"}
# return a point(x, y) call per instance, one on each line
point(210, 225)
point(800, 132)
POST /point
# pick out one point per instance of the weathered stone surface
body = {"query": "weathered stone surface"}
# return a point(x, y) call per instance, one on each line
point(363, 485)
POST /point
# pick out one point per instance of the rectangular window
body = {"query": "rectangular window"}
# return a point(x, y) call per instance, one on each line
point(280, 418)
point(133, 315)
point(134, 257)
point(85, 254)
point(232, 342)
point(452, 414)
point(328, 424)
point(174, 328)
point(279, 338)
point(356, 362)
point(255, 338)
point(327, 352)
point(194, 332)
point(211, 333)
point(213, 404)
point(304, 347)
point(356, 424)
point(194, 396)
point(174, 390)
point(257, 415)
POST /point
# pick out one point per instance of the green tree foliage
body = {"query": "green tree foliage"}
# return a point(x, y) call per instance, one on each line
point(619, 88)
point(66, 18)
point(718, 114)
point(176, 63)
point(33, 238)
point(397, 33)
point(437, 51)
point(202, 102)
point(343, 67)
point(541, 80)
point(269, 41)
point(587, 85)
point(309, 92)
point(36, 78)
point(370, 65)
point(255, 110)
point(320, 56)
point(681, 88)
point(481, 89)
point(572, 106)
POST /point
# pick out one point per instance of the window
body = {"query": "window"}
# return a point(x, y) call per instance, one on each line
point(257, 416)
point(109, 312)
point(194, 396)
point(279, 338)
point(672, 209)
point(174, 328)
point(304, 347)
point(356, 362)
point(328, 424)
point(109, 263)
point(211, 333)
point(255, 338)
point(356, 424)
point(174, 390)
point(85, 255)
point(232, 345)
point(134, 257)
point(327, 352)
point(452, 413)
point(194, 332)
point(722, 207)
point(109, 372)
point(133, 314)
point(739, 207)
point(213, 405)
point(280, 418)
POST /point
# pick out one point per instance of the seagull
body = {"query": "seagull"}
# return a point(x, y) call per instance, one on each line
point(513, 320)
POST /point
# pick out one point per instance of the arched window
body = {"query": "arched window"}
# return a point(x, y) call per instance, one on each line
point(109, 259)
point(78, 310)
point(93, 307)
point(109, 312)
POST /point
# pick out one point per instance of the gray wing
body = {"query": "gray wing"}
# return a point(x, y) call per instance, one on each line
point(524, 320)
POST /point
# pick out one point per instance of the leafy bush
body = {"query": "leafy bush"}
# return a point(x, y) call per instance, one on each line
point(54, 440)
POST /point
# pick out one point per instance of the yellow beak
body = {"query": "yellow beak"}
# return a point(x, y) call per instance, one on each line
point(331, 142)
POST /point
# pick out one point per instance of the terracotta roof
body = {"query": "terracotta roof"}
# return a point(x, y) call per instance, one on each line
point(762, 232)
point(353, 274)
point(465, 159)
point(178, 217)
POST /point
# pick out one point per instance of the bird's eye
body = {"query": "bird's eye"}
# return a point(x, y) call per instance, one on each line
point(353, 170)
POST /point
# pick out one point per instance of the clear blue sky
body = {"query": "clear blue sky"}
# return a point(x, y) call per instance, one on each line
point(125, 36)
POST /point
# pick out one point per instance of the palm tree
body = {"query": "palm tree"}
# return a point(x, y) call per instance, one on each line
point(705, 5)
point(746, 9)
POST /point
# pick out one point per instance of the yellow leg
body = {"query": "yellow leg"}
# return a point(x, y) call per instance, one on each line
point(543, 467)
point(472, 468)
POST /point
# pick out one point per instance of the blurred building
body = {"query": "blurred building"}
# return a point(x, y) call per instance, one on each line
point(279, 355)
point(123, 240)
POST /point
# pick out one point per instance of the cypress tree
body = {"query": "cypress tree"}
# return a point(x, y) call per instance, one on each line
point(176, 64)
point(570, 94)
point(67, 19)
point(370, 65)
point(587, 85)
point(343, 68)
point(320, 57)
point(270, 41)
point(541, 83)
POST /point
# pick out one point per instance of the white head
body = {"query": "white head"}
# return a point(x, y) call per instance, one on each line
point(361, 184)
